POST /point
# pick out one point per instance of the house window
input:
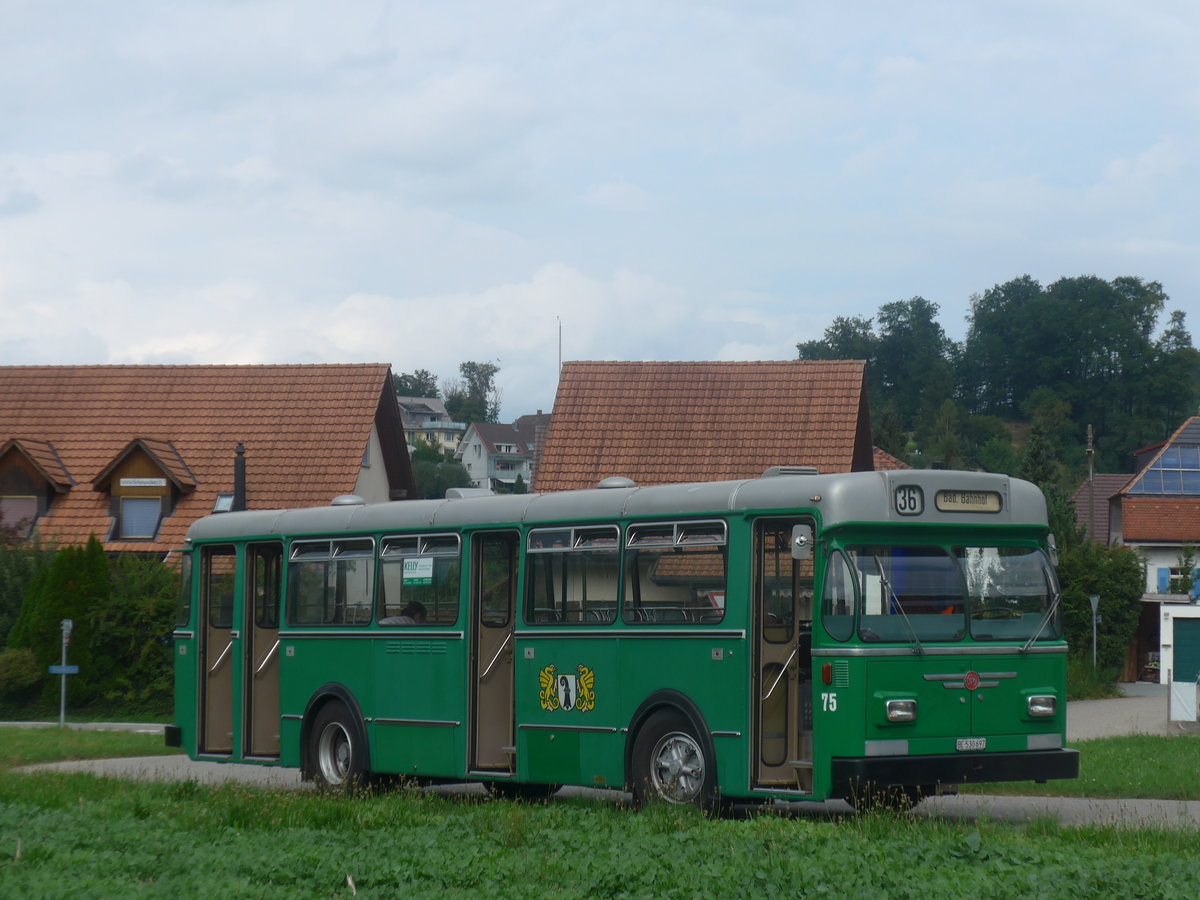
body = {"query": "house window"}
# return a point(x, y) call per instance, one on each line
point(139, 517)
point(17, 514)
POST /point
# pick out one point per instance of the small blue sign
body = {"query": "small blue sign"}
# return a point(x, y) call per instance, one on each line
point(64, 670)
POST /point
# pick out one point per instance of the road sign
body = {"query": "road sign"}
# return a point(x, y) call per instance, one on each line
point(64, 670)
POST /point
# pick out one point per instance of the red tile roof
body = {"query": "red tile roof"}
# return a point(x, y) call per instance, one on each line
point(885, 462)
point(305, 430)
point(1167, 519)
point(665, 422)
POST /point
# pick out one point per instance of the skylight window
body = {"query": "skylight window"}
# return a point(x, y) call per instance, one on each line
point(1177, 471)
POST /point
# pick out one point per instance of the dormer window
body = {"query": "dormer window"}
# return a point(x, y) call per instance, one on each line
point(31, 475)
point(139, 517)
point(144, 481)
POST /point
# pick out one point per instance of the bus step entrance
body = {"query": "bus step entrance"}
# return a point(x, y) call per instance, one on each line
point(804, 771)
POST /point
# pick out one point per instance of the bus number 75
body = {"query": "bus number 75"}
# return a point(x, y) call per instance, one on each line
point(829, 702)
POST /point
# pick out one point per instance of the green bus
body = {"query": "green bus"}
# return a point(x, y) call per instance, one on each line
point(791, 637)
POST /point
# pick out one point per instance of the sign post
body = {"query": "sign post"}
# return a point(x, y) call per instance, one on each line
point(64, 670)
point(1095, 599)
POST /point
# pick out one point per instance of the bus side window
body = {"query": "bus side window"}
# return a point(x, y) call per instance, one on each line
point(837, 599)
point(573, 575)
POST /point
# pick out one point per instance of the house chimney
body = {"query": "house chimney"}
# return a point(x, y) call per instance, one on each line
point(239, 479)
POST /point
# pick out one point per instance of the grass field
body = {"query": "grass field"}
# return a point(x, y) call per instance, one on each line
point(81, 836)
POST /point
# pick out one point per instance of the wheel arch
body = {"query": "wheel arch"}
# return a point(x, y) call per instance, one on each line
point(332, 692)
point(674, 701)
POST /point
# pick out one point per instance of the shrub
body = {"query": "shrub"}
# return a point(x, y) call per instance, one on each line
point(19, 674)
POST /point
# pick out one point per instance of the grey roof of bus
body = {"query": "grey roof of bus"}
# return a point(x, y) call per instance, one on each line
point(839, 497)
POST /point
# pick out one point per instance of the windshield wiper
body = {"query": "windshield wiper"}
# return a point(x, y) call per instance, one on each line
point(1046, 618)
point(887, 586)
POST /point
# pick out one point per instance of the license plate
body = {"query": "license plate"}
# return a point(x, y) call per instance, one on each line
point(970, 744)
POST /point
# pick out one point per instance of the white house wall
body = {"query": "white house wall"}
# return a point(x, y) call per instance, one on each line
point(372, 484)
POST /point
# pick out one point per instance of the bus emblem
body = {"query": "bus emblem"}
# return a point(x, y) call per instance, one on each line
point(971, 680)
point(560, 690)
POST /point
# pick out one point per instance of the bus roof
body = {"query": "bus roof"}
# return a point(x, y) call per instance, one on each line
point(841, 498)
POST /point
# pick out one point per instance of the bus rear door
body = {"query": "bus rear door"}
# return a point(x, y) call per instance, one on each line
point(218, 651)
point(264, 569)
point(493, 607)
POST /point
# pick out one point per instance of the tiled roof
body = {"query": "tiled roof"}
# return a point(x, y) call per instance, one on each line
point(1098, 494)
point(1166, 519)
point(885, 462)
point(305, 429)
point(493, 433)
point(669, 422)
point(44, 458)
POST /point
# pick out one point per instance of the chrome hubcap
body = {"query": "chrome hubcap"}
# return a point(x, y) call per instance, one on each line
point(333, 753)
point(677, 768)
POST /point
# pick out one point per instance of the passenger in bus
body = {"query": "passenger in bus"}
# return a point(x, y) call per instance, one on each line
point(412, 614)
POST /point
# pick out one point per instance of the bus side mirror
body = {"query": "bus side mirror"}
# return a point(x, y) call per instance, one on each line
point(802, 541)
point(1052, 548)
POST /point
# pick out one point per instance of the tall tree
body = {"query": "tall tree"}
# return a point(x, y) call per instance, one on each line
point(474, 397)
point(421, 383)
point(914, 359)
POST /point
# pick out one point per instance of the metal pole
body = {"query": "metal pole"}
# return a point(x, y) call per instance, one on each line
point(67, 625)
point(1095, 599)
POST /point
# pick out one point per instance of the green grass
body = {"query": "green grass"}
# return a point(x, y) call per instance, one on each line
point(26, 746)
point(78, 835)
point(1140, 766)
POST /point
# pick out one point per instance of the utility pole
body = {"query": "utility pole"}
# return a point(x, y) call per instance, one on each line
point(1091, 457)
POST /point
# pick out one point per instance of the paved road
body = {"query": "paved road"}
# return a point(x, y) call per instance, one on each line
point(1142, 711)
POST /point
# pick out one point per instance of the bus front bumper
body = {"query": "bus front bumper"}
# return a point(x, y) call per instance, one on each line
point(950, 769)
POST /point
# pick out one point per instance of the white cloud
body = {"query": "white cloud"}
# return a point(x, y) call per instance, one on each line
point(269, 181)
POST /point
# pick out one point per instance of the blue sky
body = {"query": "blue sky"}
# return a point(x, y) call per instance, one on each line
point(421, 184)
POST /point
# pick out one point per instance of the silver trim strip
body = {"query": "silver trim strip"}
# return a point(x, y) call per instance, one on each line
point(885, 748)
point(645, 632)
point(1051, 741)
point(183, 634)
point(592, 728)
point(390, 634)
point(729, 734)
point(428, 723)
point(956, 650)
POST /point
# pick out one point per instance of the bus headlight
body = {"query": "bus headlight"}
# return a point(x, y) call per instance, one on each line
point(1042, 706)
point(901, 710)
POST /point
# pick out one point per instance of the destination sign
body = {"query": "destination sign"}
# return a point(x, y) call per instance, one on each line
point(968, 501)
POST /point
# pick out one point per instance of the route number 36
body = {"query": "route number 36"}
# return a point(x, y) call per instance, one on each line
point(910, 500)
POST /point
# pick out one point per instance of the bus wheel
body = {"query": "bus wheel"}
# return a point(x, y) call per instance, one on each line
point(334, 751)
point(669, 764)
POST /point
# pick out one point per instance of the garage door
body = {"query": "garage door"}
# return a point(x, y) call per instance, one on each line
point(1187, 650)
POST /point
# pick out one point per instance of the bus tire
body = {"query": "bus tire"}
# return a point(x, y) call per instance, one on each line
point(336, 752)
point(670, 764)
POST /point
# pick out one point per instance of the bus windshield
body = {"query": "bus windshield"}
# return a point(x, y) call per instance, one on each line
point(920, 594)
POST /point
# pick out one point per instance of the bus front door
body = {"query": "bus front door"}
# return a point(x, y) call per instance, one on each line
point(493, 608)
point(783, 660)
point(264, 568)
point(217, 656)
